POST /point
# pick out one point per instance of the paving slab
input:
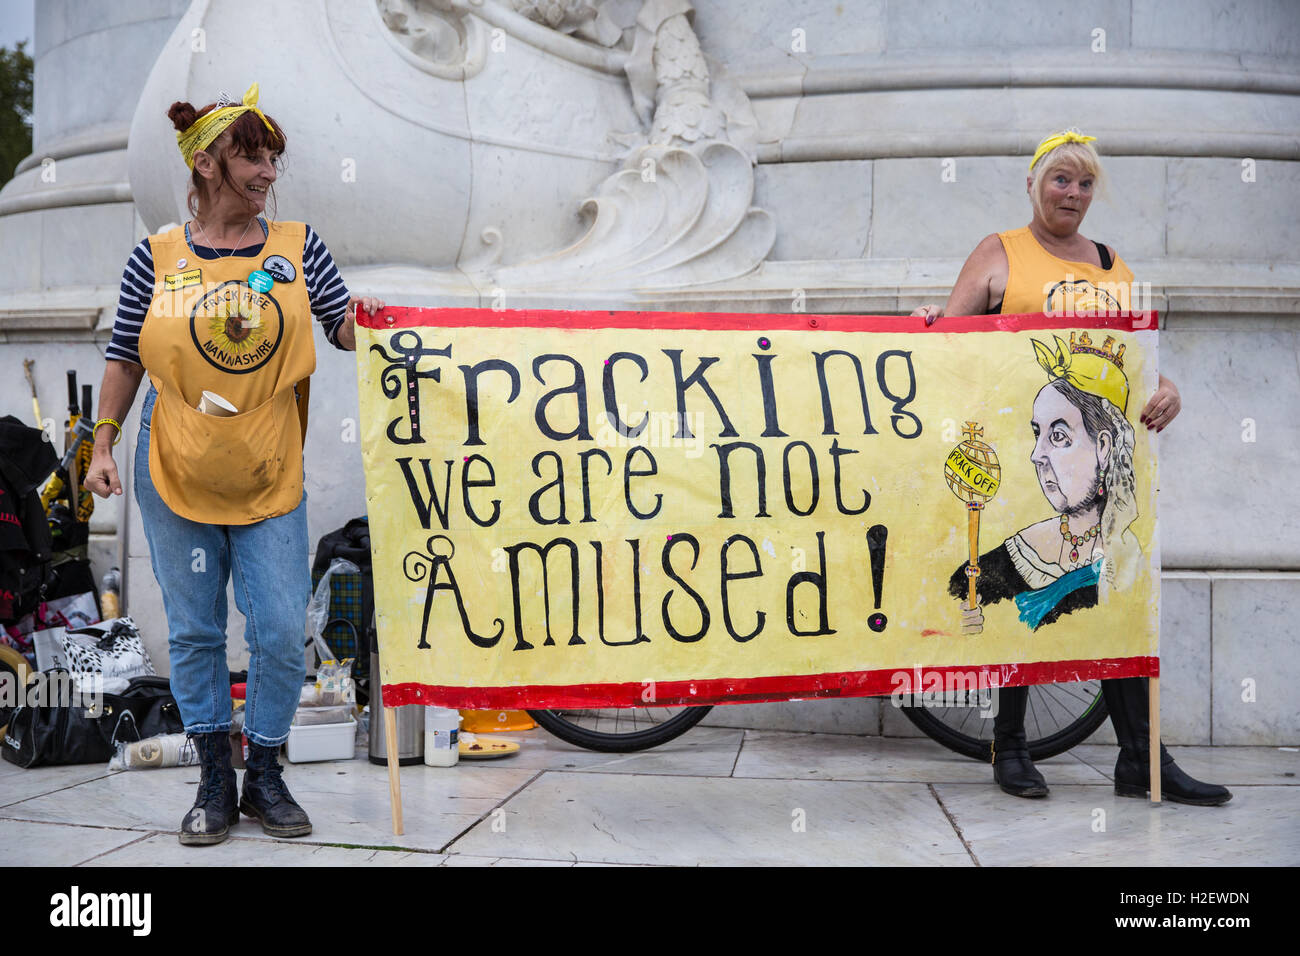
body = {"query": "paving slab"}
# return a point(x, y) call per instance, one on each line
point(1279, 766)
point(794, 798)
point(702, 751)
point(52, 844)
point(460, 859)
point(17, 783)
point(1090, 826)
point(687, 821)
point(163, 849)
point(347, 801)
point(840, 757)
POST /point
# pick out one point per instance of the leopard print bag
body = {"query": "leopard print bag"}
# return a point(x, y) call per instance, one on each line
point(105, 656)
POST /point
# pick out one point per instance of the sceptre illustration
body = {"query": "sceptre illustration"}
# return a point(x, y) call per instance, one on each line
point(973, 475)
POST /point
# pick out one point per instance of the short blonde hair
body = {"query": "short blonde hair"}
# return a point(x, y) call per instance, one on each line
point(1082, 156)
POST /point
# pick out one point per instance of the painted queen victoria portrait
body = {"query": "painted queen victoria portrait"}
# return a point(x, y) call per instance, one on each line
point(1083, 457)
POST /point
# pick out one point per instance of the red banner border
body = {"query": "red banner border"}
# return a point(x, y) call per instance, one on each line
point(753, 690)
point(406, 318)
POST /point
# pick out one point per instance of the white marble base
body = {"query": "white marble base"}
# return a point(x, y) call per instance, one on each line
point(1256, 670)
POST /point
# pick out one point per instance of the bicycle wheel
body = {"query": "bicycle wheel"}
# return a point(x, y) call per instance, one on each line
point(620, 730)
point(1058, 717)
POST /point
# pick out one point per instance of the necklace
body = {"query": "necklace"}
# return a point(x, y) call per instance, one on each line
point(1077, 540)
point(237, 242)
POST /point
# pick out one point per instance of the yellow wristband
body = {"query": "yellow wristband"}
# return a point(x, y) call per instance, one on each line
point(108, 421)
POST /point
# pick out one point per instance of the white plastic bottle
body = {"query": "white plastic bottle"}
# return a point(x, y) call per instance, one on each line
point(441, 736)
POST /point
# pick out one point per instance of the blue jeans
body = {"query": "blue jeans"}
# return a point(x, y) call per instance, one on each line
point(193, 562)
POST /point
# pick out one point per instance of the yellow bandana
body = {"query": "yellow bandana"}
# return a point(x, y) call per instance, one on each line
point(1097, 371)
point(1055, 140)
point(211, 125)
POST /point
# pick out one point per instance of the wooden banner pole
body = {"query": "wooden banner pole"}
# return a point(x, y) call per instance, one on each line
point(394, 786)
point(1153, 718)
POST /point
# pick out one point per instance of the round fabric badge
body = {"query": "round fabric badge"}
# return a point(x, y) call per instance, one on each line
point(280, 268)
point(260, 281)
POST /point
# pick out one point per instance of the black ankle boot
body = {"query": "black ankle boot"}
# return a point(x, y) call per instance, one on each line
point(1127, 701)
point(266, 798)
point(215, 809)
point(1013, 771)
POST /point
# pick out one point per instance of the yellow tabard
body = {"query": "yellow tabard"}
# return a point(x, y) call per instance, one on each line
point(1038, 281)
point(207, 330)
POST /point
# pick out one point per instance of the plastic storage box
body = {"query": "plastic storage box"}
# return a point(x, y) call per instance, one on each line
point(309, 742)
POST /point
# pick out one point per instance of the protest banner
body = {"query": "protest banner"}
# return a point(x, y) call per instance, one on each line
point(576, 509)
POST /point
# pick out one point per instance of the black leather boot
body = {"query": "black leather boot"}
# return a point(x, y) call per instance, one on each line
point(1013, 771)
point(215, 809)
point(1127, 701)
point(266, 798)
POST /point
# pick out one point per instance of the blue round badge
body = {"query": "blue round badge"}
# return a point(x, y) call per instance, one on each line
point(260, 281)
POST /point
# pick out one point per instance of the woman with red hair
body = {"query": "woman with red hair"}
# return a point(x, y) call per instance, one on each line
point(218, 312)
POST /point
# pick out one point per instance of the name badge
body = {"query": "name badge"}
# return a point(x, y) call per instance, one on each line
point(183, 279)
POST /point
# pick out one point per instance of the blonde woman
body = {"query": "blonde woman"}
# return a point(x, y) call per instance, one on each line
point(1083, 455)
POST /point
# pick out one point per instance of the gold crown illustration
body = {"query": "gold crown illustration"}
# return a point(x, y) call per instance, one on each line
point(1083, 343)
point(1099, 371)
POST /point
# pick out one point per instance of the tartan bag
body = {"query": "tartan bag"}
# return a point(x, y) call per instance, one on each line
point(347, 621)
point(352, 596)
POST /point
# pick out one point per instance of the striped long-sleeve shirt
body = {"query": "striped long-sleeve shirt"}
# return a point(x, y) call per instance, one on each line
point(325, 290)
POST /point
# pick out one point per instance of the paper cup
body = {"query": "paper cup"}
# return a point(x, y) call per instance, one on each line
point(213, 404)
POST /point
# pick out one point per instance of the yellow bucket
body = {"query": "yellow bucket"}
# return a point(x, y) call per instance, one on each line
point(490, 721)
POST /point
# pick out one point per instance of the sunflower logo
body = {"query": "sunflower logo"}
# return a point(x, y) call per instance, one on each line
point(236, 328)
point(1080, 296)
point(240, 331)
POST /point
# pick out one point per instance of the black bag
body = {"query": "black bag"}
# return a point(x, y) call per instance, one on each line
point(26, 549)
point(352, 541)
point(80, 733)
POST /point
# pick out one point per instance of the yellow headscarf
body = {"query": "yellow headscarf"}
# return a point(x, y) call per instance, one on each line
point(1055, 140)
point(1098, 371)
point(211, 125)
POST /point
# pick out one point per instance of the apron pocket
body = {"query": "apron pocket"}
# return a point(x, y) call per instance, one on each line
point(233, 457)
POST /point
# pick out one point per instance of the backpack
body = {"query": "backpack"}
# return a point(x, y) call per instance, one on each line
point(349, 628)
point(26, 549)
